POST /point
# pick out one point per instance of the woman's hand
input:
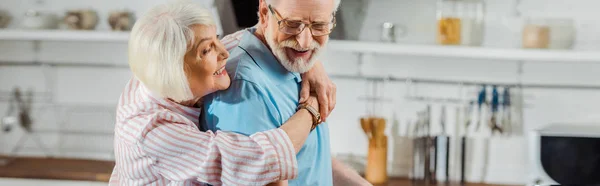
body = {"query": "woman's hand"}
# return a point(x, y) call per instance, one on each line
point(317, 81)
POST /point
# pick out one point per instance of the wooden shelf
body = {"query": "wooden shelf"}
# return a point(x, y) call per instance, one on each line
point(464, 52)
point(64, 35)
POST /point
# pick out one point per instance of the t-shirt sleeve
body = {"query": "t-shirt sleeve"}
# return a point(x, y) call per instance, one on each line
point(245, 107)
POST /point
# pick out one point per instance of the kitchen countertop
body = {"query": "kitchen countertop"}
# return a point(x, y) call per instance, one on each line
point(57, 168)
point(408, 182)
point(100, 171)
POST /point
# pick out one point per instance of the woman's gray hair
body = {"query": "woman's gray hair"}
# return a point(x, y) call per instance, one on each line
point(158, 43)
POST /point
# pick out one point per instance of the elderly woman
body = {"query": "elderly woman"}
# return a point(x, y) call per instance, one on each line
point(176, 59)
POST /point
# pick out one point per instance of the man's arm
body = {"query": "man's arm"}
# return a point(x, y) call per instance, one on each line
point(345, 176)
point(316, 80)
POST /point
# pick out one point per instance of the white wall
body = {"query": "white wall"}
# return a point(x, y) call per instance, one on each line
point(85, 97)
point(508, 155)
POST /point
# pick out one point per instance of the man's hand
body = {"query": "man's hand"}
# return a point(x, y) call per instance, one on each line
point(317, 81)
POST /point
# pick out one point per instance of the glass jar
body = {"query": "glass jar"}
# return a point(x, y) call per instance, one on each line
point(472, 14)
point(460, 22)
point(562, 33)
point(536, 34)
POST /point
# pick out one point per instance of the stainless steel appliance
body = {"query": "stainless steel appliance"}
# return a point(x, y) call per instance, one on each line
point(565, 154)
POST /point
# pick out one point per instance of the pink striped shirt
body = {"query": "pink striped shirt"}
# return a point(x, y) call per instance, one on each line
point(157, 142)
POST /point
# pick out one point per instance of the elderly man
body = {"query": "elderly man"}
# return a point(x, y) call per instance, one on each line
point(265, 66)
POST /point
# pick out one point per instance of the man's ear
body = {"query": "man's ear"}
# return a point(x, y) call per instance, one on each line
point(263, 12)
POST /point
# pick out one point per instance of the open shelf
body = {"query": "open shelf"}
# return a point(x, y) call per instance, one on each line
point(64, 35)
point(465, 52)
point(510, 54)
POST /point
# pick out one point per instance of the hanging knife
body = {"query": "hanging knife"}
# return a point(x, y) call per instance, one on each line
point(443, 120)
point(480, 101)
point(506, 119)
point(495, 104)
point(468, 113)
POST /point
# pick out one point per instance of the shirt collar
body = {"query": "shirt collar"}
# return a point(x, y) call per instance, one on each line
point(190, 113)
point(265, 59)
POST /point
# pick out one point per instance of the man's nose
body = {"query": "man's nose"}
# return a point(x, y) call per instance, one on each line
point(304, 38)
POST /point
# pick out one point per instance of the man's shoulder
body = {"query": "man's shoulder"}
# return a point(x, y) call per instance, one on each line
point(242, 66)
point(233, 40)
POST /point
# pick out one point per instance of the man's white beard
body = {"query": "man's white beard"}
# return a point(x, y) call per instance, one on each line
point(297, 65)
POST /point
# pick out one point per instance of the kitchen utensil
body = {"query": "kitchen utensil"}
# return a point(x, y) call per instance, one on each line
point(443, 121)
point(428, 119)
point(463, 150)
point(376, 172)
point(431, 159)
point(442, 161)
point(417, 159)
point(455, 135)
point(121, 20)
point(486, 158)
point(442, 149)
point(467, 114)
point(495, 104)
point(388, 34)
point(506, 114)
point(481, 101)
point(86, 19)
point(378, 131)
point(11, 118)
point(373, 127)
point(39, 20)
point(24, 105)
point(365, 123)
point(5, 18)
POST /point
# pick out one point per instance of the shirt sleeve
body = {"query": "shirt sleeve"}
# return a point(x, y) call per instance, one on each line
point(181, 152)
point(244, 107)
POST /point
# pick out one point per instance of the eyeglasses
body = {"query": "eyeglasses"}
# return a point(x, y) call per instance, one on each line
point(293, 27)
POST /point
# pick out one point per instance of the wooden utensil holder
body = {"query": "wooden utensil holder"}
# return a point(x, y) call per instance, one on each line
point(376, 170)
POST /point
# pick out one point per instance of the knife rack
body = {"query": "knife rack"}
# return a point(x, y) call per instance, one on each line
point(431, 161)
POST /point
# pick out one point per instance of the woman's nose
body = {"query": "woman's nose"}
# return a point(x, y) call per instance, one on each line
point(223, 53)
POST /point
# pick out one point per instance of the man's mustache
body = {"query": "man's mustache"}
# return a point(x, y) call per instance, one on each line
point(292, 43)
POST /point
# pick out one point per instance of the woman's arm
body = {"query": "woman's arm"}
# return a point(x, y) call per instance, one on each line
point(297, 131)
point(298, 126)
point(181, 152)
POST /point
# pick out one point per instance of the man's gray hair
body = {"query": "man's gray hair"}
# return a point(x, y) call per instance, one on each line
point(158, 43)
point(336, 3)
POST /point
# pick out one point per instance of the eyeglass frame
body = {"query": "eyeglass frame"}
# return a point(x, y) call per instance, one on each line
point(280, 19)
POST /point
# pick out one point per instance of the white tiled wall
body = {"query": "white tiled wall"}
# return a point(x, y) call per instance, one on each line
point(86, 96)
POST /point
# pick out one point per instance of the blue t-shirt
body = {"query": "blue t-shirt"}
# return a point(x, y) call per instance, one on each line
point(263, 95)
